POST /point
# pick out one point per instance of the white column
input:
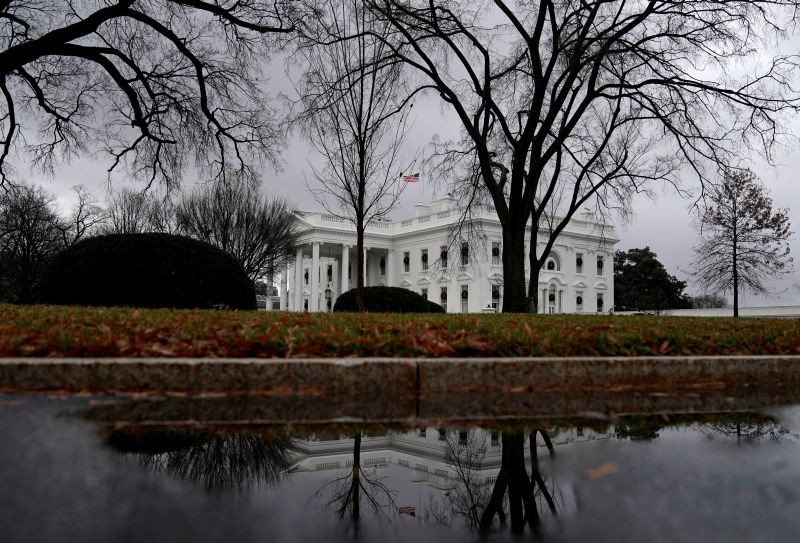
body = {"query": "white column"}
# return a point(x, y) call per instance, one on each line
point(390, 268)
point(314, 304)
point(345, 267)
point(298, 280)
point(366, 283)
point(284, 285)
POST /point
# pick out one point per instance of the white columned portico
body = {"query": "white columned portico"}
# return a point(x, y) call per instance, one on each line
point(390, 268)
point(345, 268)
point(284, 286)
point(298, 280)
point(314, 305)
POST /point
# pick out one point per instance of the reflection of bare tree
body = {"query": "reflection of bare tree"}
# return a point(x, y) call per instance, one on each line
point(217, 462)
point(744, 430)
point(346, 491)
point(465, 457)
point(522, 490)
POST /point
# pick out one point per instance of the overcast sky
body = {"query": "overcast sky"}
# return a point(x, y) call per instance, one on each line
point(665, 225)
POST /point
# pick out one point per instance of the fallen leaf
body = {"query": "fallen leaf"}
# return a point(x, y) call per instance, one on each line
point(601, 471)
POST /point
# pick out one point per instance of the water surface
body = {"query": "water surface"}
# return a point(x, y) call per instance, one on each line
point(70, 471)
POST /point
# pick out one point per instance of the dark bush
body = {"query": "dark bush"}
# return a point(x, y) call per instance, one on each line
point(147, 270)
point(387, 300)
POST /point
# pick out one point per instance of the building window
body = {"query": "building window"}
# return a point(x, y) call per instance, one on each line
point(349, 271)
point(442, 434)
point(406, 262)
point(495, 438)
point(495, 253)
point(305, 304)
point(599, 302)
point(553, 263)
point(462, 438)
point(464, 299)
point(424, 258)
point(579, 302)
point(599, 265)
point(424, 293)
point(422, 432)
point(495, 297)
point(305, 275)
point(443, 298)
point(443, 256)
point(382, 265)
point(464, 254)
point(330, 273)
point(579, 263)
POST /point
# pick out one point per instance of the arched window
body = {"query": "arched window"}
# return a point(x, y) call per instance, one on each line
point(553, 262)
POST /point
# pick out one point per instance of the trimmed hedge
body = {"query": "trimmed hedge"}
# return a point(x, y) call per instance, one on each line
point(387, 300)
point(147, 270)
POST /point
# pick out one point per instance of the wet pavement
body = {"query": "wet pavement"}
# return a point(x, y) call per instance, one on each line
point(96, 469)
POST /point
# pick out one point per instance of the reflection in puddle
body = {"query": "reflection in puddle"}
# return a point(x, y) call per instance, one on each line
point(486, 480)
point(559, 479)
point(214, 461)
point(483, 479)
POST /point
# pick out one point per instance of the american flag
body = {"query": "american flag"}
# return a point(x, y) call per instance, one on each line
point(413, 178)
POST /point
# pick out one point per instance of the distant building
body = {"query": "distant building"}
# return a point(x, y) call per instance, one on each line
point(463, 275)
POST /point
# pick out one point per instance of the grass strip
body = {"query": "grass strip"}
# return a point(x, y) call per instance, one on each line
point(54, 331)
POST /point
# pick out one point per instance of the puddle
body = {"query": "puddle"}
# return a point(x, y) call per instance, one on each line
point(83, 469)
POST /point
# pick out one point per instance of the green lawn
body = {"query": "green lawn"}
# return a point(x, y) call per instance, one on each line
point(73, 331)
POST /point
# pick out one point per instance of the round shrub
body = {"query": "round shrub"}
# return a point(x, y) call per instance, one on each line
point(387, 300)
point(147, 270)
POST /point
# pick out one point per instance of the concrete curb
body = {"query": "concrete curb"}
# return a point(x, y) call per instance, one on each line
point(392, 378)
point(207, 376)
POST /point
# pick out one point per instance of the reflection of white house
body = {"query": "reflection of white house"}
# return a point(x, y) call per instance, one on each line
point(463, 276)
point(423, 452)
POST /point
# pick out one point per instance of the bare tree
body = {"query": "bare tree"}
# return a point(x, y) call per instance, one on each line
point(742, 239)
point(87, 217)
point(345, 493)
point(259, 232)
point(708, 301)
point(154, 83)
point(129, 212)
point(31, 233)
point(465, 457)
point(354, 115)
point(587, 102)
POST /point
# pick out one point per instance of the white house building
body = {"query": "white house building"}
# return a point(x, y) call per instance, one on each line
point(464, 275)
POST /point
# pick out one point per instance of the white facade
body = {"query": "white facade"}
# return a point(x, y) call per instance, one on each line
point(463, 275)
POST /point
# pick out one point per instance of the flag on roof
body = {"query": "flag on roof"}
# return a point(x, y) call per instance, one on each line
point(413, 178)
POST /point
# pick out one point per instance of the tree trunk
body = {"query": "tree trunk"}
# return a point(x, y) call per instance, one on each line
point(356, 480)
point(515, 299)
point(735, 275)
point(533, 282)
point(360, 266)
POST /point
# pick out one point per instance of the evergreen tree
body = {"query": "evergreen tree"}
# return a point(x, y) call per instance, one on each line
point(641, 283)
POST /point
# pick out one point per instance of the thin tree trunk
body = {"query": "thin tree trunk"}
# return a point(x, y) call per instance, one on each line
point(356, 480)
point(360, 266)
point(735, 274)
